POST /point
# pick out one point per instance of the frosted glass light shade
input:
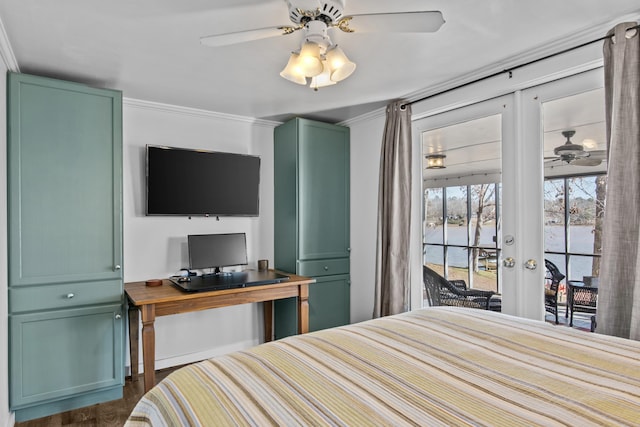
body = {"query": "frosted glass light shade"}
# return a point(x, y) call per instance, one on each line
point(309, 61)
point(339, 63)
point(292, 71)
point(435, 161)
point(323, 79)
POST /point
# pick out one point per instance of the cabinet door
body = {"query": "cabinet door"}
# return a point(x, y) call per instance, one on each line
point(329, 302)
point(64, 177)
point(329, 306)
point(323, 191)
point(61, 353)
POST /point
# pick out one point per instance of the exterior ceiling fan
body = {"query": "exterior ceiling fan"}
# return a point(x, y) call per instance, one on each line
point(318, 57)
point(575, 154)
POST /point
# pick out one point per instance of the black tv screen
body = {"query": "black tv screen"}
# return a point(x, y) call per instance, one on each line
point(195, 182)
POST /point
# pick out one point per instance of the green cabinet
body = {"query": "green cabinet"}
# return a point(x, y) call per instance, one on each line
point(64, 165)
point(311, 222)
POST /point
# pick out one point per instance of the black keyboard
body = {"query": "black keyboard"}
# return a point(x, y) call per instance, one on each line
point(240, 279)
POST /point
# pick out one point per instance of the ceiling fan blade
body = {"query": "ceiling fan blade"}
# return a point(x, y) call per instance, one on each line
point(598, 154)
point(227, 39)
point(400, 22)
point(586, 161)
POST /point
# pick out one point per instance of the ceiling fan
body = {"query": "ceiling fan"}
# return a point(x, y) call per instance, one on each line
point(575, 154)
point(318, 57)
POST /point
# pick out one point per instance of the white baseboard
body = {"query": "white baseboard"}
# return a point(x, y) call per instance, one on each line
point(11, 419)
point(184, 359)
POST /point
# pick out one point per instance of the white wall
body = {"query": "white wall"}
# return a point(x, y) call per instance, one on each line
point(155, 247)
point(366, 142)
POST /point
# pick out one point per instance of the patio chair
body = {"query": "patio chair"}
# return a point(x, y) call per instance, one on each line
point(441, 291)
point(552, 277)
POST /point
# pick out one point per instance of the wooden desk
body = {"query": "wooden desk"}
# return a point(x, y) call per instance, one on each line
point(168, 299)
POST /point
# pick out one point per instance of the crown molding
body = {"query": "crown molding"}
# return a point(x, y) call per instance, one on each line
point(371, 115)
point(195, 112)
point(6, 52)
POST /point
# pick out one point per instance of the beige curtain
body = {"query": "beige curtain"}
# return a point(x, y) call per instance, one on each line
point(394, 214)
point(619, 290)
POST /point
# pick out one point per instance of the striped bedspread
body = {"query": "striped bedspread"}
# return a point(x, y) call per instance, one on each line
point(443, 366)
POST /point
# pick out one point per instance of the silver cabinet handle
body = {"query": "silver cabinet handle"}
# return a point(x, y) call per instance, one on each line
point(117, 267)
point(118, 316)
point(531, 264)
point(509, 262)
point(70, 295)
point(326, 268)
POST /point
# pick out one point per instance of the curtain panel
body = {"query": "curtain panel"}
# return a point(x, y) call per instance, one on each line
point(618, 311)
point(392, 284)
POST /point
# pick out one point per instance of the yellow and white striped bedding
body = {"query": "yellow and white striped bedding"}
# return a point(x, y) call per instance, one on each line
point(444, 366)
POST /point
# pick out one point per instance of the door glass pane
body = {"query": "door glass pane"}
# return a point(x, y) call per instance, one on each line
point(457, 216)
point(575, 183)
point(466, 224)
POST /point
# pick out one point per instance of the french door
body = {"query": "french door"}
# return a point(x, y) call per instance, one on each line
point(462, 205)
point(514, 160)
point(567, 191)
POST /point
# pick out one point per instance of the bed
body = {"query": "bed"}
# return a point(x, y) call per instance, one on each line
point(436, 366)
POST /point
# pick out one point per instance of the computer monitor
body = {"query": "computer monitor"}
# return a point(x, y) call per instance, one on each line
point(214, 251)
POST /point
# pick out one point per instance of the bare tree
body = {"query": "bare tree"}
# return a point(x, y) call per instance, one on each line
point(601, 190)
point(483, 195)
point(598, 217)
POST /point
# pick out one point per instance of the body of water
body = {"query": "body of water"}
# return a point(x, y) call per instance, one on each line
point(581, 241)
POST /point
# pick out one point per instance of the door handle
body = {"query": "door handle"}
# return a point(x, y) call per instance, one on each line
point(509, 262)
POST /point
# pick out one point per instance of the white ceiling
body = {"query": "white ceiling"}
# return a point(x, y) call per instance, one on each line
point(150, 49)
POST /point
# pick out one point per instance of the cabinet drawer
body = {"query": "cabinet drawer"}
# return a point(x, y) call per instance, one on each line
point(50, 297)
point(326, 267)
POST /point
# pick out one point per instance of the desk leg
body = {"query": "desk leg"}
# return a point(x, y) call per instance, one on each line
point(268, 320)
point(303, 309)
point(133, 341)
point(148, 345)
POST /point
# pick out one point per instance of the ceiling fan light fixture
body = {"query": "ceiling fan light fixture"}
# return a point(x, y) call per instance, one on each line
point(309, 59)
point(293, 71)
point(323, 79)
point(569, 151)
point(575, 150)
point(435, 161)
point(341, 67)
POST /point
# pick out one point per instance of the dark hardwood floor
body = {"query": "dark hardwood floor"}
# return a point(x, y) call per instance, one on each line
point(106, 414)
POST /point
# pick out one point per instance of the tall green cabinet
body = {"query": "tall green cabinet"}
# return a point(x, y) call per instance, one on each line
point(311, 184)
point(66, 323)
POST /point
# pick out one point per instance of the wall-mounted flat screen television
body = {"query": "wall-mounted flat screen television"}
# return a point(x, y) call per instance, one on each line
point(195, 182)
